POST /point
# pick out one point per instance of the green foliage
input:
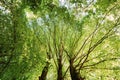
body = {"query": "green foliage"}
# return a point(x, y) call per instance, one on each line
point(89, 34)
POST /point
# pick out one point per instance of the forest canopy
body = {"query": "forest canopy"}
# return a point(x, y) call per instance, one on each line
point(59, 39)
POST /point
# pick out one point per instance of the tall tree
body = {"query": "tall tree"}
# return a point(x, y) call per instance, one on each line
point(59, 39)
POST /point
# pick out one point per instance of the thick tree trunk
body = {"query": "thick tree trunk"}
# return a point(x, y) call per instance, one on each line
point(75, 75)
point(59, 72)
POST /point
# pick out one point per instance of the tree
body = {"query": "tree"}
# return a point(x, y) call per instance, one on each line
point(70, 39)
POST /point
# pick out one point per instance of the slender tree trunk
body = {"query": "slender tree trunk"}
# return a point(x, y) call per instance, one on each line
point(44, 72)
point(60, 65)
point(75, 75)
point(59, 72)
point(45, 69)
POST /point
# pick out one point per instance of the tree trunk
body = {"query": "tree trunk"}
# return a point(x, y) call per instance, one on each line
point(59, 72)
point(45, 69)
point(75, 75)
point(44, 72)
point(60, 65)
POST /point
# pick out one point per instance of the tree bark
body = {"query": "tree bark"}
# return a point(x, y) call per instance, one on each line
point(75, 75)
point(60, 65)
point(45, 69)
point(44, 72)
point(59, 72)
